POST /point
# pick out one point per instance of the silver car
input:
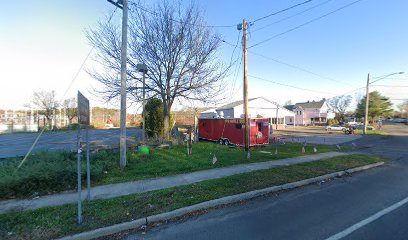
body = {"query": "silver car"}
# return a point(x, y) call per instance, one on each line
point(335, 127)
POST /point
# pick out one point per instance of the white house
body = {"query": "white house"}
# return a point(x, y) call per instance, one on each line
point(257, 107)
point(310, 113)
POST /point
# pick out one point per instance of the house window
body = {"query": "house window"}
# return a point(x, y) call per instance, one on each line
point(290, 120)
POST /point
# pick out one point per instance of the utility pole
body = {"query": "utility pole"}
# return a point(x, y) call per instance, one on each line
point(366, 104)
point(143, 68)
point(123, 4)
point(247, 124)
point(144, 113)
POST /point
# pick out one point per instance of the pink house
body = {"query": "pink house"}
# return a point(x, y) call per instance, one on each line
point(310, 113)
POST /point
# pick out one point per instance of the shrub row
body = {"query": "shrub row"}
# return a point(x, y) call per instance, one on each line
point(47, 172)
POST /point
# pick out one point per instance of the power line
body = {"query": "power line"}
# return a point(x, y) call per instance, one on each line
point(281, 11)
point(237, 68)
point(304, 24)
point(299, 68)
point(287, 85)
point(291, 16)
point(235, 79)
point(346, 93)
point(389, 85)
point(178, 21)
point(83, 63)
point(63, 96)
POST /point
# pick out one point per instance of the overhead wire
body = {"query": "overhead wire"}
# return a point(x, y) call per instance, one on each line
point(237, 68)
point(389, 85)
point(291, 16)
point(178, 21)
point(287, 85)
point(281, 11)
point(304, 24)
point(299, 68)
point(83, 63)
point(66, 91)
point(232, 93)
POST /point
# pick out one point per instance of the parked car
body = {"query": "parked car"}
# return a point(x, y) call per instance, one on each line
point(399, 120)
point(335, 127)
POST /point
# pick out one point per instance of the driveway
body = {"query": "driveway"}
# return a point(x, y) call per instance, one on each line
point(314, 135)
point(12, 145)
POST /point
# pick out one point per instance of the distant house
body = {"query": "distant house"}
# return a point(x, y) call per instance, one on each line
point(257, 107)
point(310, 113)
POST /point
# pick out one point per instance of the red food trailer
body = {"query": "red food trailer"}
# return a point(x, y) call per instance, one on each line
point(231, 131)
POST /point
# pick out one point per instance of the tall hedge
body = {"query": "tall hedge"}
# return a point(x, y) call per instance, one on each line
point(154, 117)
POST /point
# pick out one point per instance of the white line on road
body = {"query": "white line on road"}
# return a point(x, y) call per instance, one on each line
point(368, 220)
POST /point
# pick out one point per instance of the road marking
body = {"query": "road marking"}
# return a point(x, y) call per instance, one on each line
point(368, 220)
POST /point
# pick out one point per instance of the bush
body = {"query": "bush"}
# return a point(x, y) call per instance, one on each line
point(332, 121)
point(154, 118)
point(44, 173)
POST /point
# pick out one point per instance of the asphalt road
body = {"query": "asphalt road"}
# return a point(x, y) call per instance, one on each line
point(12, 145)
point(318, 211)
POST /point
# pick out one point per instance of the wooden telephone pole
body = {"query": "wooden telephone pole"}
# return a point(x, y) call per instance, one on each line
point(247, 124)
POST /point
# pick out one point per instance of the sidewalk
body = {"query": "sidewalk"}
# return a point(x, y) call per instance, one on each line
point(121, 189)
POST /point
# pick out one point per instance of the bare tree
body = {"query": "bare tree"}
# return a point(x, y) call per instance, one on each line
point(47, 103)
point(70, 109)
point(178, 49)
point(288, 102)
point(339, 105)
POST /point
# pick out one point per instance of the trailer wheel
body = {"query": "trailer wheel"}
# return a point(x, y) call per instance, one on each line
point(226, 142)
point(220, 141)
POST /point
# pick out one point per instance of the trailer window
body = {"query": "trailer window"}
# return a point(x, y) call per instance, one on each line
point(259, 127)
point(238, 125)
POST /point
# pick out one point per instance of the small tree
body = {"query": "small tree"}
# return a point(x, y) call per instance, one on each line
point(378, 106)
point(70, 109)
point(403, 107)
point(46, 103)
point(339, 105)
point(154, 117)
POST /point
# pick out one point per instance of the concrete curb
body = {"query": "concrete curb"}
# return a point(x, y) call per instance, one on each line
point(100, 232)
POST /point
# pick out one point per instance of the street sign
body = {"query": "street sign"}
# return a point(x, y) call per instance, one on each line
point(83, 109)
point(83, 118)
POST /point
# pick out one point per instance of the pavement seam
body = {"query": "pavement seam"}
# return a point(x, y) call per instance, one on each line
point(105, 231)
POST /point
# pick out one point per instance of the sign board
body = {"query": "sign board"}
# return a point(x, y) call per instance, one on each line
point(83, 109)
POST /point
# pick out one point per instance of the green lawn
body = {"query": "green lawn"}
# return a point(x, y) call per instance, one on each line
point(59, 221)
point(164, 162)
point(51, 172)
point(371, 132)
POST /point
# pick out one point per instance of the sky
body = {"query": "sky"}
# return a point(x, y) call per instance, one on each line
point(43, 44)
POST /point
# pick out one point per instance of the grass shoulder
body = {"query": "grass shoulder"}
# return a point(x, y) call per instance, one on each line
point(52, 222)
point(52, 172)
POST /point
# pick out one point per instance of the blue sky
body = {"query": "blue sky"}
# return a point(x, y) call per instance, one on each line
point(42, 44)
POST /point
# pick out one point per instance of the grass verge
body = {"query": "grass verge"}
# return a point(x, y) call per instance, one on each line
point(52, 172)
point(370, 132)
point(52, 222)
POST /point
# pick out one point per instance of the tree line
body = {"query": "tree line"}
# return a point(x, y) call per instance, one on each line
point(379, 106)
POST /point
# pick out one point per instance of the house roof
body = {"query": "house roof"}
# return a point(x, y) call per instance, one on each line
point(233, 104)
point(240, 102)
point(290, 107)
point(311, 104)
